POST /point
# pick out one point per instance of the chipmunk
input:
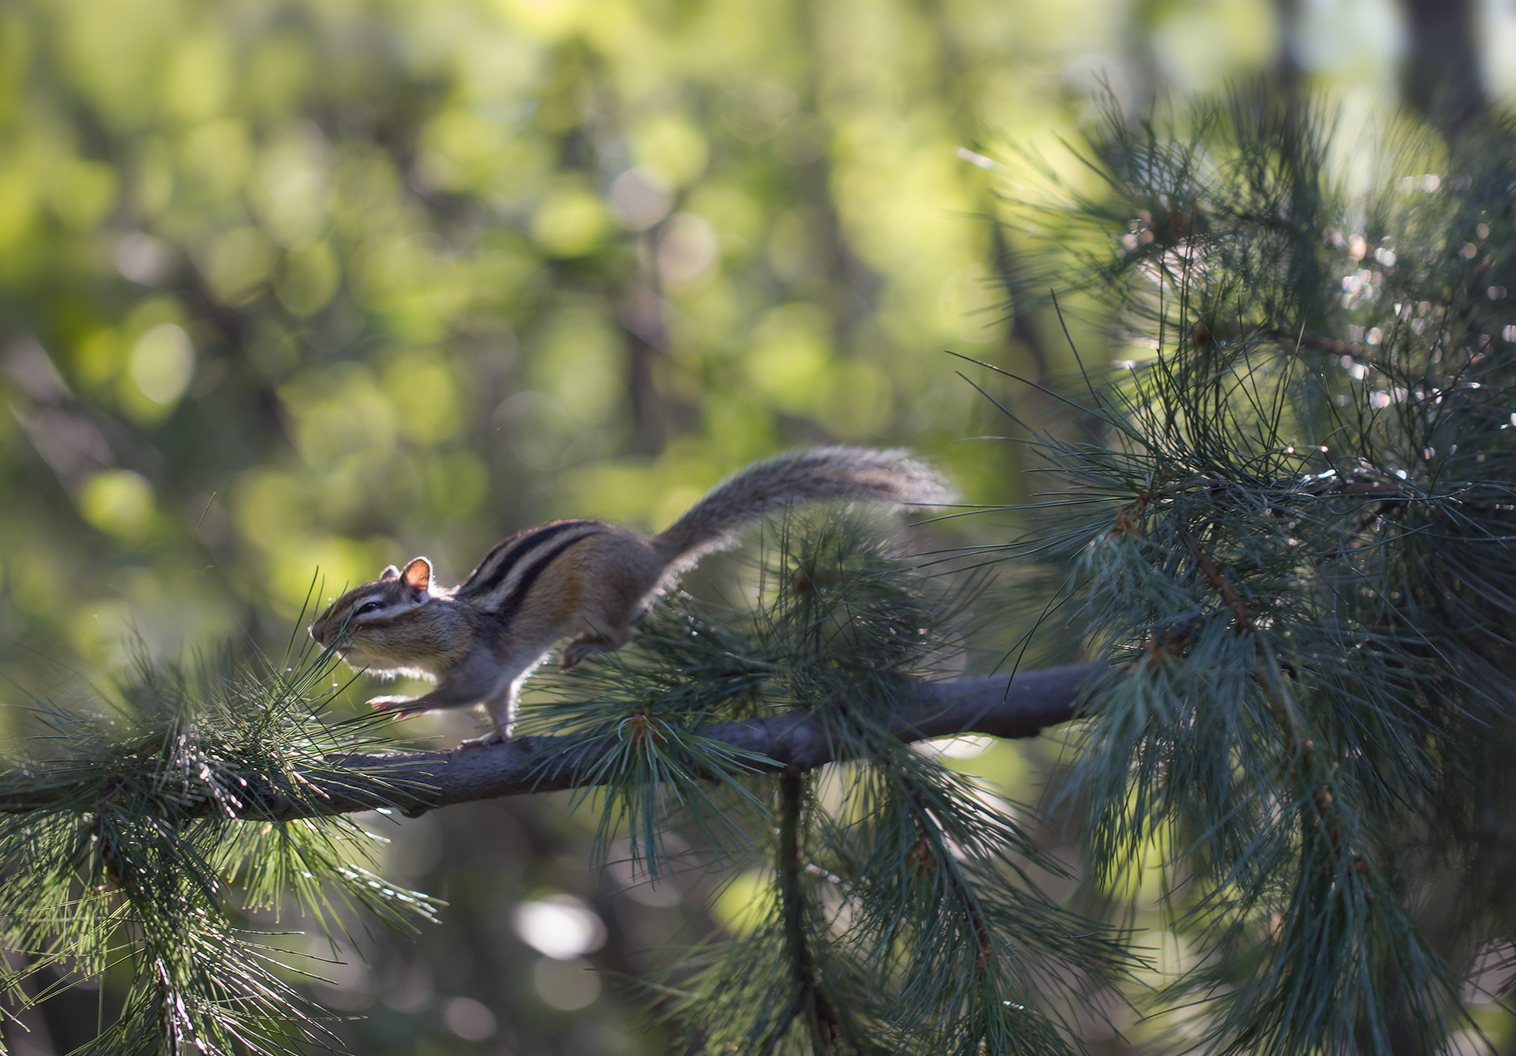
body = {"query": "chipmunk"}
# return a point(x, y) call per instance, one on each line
point(479, 641)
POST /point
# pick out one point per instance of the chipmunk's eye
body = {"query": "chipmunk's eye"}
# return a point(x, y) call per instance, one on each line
point(370, 606)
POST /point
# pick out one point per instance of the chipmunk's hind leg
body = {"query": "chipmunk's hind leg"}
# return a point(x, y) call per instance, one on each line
point(606, 641)
point(624, 596)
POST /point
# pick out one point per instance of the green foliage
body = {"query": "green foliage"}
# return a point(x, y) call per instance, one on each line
point(136, 848)
point(288, 284)
point(1289, 525)
point(900, 913)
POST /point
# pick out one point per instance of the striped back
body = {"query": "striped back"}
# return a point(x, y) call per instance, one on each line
point(505, 577)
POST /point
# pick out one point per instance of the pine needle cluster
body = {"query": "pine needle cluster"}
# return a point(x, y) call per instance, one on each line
point(900, 913)
point(1289, 525)
point(131, 848)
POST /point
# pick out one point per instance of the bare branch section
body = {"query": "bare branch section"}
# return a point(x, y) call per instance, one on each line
point(417, 782)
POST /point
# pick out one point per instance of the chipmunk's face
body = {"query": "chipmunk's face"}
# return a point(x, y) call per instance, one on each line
point(358, 624)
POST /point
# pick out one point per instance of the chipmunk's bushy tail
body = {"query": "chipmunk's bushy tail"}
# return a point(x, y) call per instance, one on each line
point(812, 475)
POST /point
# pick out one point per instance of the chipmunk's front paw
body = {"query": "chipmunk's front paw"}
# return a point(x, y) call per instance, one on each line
point(399, 707)
point(497, 736)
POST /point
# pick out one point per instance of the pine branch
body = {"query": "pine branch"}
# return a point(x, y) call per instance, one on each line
point(417, 782)
point(810, 1002)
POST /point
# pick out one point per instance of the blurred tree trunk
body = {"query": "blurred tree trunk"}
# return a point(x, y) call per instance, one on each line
point(1441, 78)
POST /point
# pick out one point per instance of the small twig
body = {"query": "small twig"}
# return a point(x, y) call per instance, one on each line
point(820, 1018)
point(932, 852)
point(1220, 583)
point(1280, 703)
point(1344, 548)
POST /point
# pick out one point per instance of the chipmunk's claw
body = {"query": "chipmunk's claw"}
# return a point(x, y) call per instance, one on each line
point(496, 736)
point(399, 707)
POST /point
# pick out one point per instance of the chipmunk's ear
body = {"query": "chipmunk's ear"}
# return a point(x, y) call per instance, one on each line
point(390, 572)
point(418, 574)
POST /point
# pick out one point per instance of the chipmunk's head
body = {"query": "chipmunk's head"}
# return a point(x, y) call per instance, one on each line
point(365, 624)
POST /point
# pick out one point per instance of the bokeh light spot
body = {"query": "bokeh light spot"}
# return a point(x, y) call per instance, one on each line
point(469, 1019)
point(566, 985)
point(688, 248)
point(673, 148)
point(639, 198)
point(745, 902)
point(307, 279)
point(238, 264)
point(559, 926)
point(118, 502)
point(570, 222)
point(163, 362)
